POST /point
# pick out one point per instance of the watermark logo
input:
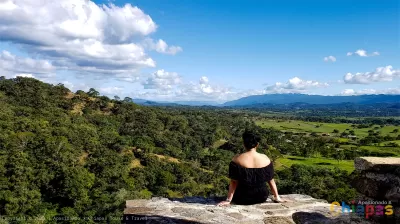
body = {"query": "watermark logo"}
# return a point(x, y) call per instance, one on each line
point(365, 209)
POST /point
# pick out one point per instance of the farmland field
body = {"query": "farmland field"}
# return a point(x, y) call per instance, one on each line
point(394, 151)
point(350, 147)
point(317, 127)
point(287, 161)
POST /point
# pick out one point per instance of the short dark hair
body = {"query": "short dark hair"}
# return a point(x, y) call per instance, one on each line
point(250, 139)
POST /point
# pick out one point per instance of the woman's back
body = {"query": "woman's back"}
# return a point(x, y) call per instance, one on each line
point(252, 170)
point(252, 160)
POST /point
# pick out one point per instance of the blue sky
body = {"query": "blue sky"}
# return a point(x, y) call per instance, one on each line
point(210, 50)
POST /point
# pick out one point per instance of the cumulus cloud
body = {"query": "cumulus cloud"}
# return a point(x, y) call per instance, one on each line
point(24, 75)
point(110, 90)
point(76, 86)
point(294, 85)
point(351, 92)
point(161, 46)
point(162, 80)
point(362, 53)
point(203, 89)
point(82, 36)
point(330, 58)
point(25, 66)
point(185, 91)
point(381, 74)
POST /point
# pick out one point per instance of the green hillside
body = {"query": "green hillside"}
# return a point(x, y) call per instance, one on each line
point(78, 154)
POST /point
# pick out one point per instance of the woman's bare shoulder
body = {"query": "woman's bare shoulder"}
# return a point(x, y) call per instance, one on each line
point(265, 159)
point(235, 158)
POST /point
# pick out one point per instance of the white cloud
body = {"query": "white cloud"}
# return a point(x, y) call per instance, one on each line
point(330, 58)
point(362, 53)
point(24, 75)
point(375, 53)
point(203, 80)
point(186, 91)
point(110, 90)
point(77, 86)
point(380, 74)
point(348, 92)
point(162, 80)
point(351, 92)
point(82, 36)
point(294, 85)
point(161, 46)
point(203, 87)
point(19, 65)
point(68, 84)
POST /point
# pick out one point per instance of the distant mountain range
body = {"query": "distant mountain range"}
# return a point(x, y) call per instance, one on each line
point(312, 99)
point(195, 103)
point(175, 103)
point(282, 99)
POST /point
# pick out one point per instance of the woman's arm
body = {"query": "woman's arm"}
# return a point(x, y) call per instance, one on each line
point(232, 188)
point(274, 190)
point(231, 192)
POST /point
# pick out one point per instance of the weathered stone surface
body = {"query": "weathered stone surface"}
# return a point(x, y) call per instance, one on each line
point(188, 212)
point(202, 210)
point(278, 220)
point(385, 178)
point(318, 218)
point(139, 210)
point(235, 215)
point(280, 212)
point(393, 194)
point(368, 187)
point(270, 206)
point(378, 178)
point(377, 164)
point(136, 203)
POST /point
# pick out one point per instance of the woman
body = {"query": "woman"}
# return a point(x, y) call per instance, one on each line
point(249, 173)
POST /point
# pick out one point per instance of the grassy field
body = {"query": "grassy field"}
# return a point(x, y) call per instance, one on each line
point(304, 126)
point(395, 151)
point(395, 141)
point(288, 161)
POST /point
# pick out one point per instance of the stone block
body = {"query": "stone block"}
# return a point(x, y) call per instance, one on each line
point(377, 164)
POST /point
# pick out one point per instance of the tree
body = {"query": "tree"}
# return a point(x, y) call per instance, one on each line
point(93, 93)
point(339, 155)
point(128, 100)
point(335, 131)
point(117, 98)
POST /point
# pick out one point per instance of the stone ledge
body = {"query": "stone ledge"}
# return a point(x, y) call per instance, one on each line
point(378, 164)
point(204, 210)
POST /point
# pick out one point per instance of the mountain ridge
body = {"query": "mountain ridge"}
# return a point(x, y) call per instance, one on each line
point(312, 99)
point(281, 99)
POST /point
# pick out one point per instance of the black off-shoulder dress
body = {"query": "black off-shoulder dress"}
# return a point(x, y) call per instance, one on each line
point(251, 187)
